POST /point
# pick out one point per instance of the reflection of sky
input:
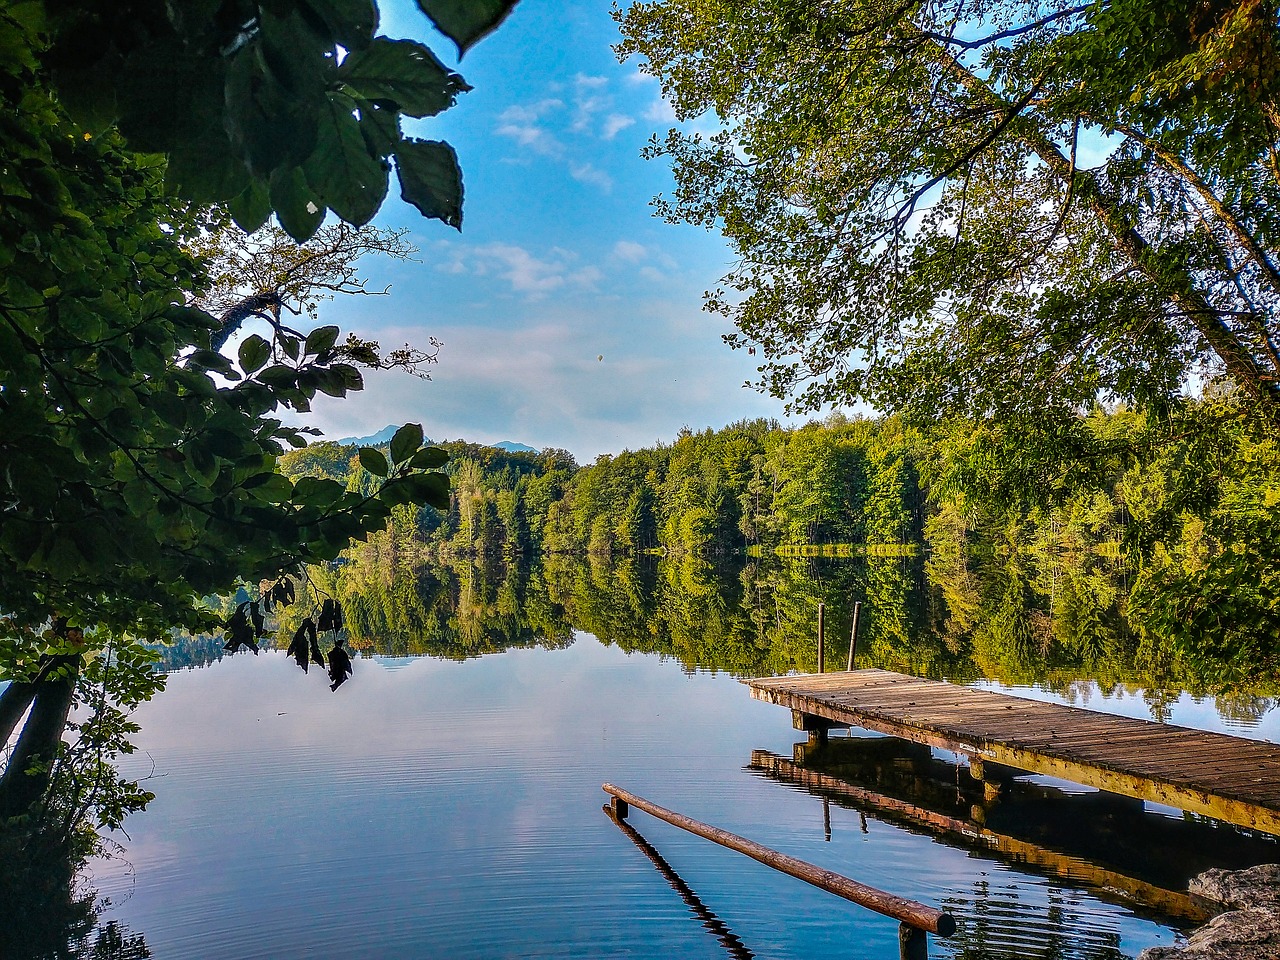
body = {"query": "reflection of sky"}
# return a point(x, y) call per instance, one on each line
point(448, 809)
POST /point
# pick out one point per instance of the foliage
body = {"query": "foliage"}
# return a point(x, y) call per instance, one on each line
point(289, 107)
point(1003, 209)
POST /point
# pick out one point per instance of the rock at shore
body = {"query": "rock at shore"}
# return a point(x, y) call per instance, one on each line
point(1249, 931)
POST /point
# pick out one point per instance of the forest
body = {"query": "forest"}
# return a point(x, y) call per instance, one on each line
point(1183, 507)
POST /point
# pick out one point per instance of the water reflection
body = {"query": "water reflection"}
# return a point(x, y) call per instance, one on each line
point(715, 926)
point(50, 911)
point(1056, 623)
point(1113, 845)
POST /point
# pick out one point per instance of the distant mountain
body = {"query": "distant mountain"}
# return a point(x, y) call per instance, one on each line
point(376, 439)
point(512, 447)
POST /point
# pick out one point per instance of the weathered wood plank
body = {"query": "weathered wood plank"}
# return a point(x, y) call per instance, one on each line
point(1212, 774)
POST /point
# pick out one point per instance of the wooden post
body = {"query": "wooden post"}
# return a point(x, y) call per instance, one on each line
point(853, 634)
point(913, 943)
point(620, 808)
point(822, 637)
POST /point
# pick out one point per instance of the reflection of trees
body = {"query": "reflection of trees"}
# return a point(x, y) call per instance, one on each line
point(48, 912)
point(996, 922)
point(455, 610)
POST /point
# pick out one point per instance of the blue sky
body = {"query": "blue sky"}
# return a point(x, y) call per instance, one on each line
point(560, 261)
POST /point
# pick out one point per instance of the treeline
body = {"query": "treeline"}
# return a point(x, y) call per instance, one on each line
point(1188, 500)
point(753, 483)
point(1191, 483)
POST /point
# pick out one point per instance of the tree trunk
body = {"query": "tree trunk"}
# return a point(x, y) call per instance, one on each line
point(38, 743)
point(13, 704)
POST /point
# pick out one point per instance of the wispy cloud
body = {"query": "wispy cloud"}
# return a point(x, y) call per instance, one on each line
point(614, 124)
point(589, 173)
point(530, 276)
point(523, 124)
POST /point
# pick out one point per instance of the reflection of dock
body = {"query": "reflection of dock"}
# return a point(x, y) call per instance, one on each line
point(1212, 774)
point(972, 833)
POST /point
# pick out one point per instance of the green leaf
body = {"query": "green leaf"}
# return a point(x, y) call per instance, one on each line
point(428, 458)
point(317, 492)
point(352, 379)
point(352, 23)
point(191, 317)
point(373, 461)
point(430, 179)
point(275, 489)
point(405, 73)
point(430, 488)
point(253, 353)
point(380, 127)
point(210, 360)
point(330, 382)
point(207, 170)
point(279, 375)
point(466, 21)
point(406, 442)
point(168, 94)
point(251, 208)
point(351, 179)
point(297, 207)
point(321, 339)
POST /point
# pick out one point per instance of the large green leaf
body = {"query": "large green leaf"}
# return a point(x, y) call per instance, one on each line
point(253, 353)
point(430, 179)
point(405, 73)
point(466, 21)
point(352, 23)
point(429, 458)
point(373, 461)
point(406, 442)
point(352, 181)
point(251, 208)
point(166, 93)
point(297, 206)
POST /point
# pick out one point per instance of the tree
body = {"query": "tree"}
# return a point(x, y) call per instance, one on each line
point(983, 207)
point(140, 462)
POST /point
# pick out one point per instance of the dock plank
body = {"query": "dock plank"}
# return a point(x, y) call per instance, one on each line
point(1213, 774)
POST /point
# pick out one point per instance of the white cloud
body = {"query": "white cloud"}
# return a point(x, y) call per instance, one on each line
point(659, 111)
point(522, 124)
point(589, 173)
point(630, 251)
point(614, 124)
point(533, 277)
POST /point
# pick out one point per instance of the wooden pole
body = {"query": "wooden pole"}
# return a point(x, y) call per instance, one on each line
point(913, 943)
point(916, 915)
point(822, 637)
point(853, 634)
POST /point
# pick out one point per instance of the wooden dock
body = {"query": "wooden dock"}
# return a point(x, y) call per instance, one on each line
point(1210, 774)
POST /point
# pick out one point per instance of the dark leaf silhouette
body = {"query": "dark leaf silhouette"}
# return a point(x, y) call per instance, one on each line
point(255, 615)
point(326, 615)
point(316, 655)
point(239, 631)
point(339, 666)
point(298, 648)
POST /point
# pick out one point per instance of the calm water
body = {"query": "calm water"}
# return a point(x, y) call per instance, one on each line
point(437, 807)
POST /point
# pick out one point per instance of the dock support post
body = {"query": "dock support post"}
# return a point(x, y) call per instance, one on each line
point(620, 807)
point(913, 944)
point(822, 638)
point(853, 634)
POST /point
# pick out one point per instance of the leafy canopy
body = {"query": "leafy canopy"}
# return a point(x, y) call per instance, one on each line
point(991, 207)
point(137, 462)
point(290, 107)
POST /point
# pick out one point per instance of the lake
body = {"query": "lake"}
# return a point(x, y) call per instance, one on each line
point(446, 801)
